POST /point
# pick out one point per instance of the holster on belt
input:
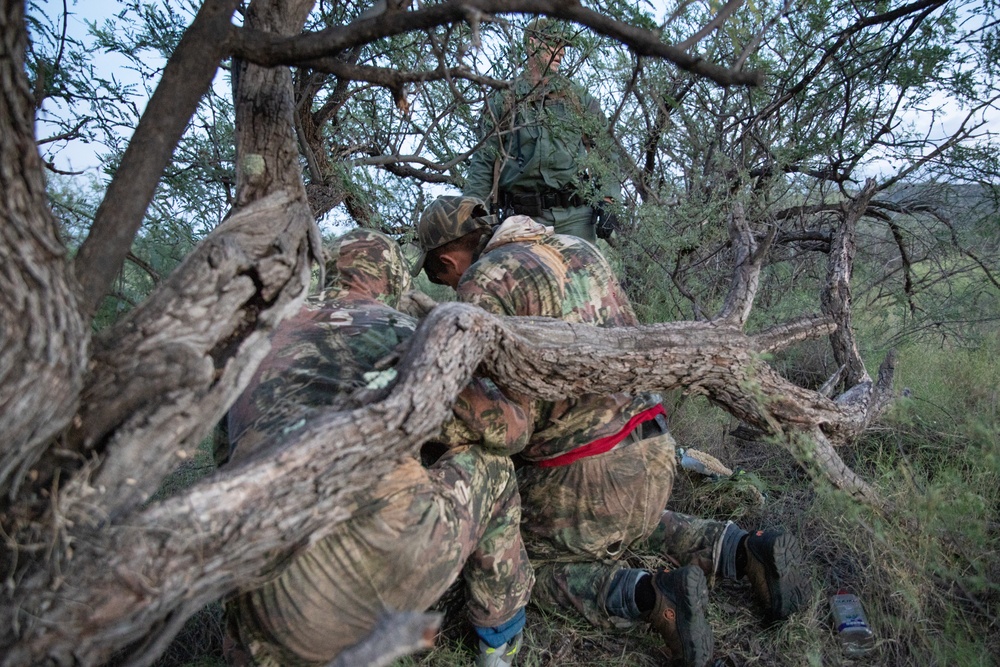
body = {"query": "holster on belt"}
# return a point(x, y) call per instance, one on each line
point(534, 204)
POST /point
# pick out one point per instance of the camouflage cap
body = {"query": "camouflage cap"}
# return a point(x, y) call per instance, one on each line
point(447, 218)
point(364, 262)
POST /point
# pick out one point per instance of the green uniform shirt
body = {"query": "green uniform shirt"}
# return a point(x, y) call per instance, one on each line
point(545, 141)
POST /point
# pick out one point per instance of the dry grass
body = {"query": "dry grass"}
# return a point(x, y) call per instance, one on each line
point(928, 574)
point(199, 643)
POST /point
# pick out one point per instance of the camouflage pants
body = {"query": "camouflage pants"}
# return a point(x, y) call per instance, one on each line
point(402, 551)
point(580, 519)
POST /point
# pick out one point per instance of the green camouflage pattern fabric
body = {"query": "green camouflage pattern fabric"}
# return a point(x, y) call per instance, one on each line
point(580, 519)
point(596, 507)
point(485, 416)
point(419, 528)
point(583, 586)
point(540, 133)
point(451, 217)
point(368, 265)
point(320, 355)
point(527, 270)
point(328, 350)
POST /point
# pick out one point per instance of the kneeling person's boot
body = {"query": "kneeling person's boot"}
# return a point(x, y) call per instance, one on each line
point(776, 571)
point(501, 656)
point(679, 615)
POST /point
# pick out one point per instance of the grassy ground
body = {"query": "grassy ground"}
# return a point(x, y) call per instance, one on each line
point(928, 572)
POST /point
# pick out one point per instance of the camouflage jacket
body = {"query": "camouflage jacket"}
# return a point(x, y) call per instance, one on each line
point(547, 130)
point(527, 270)
point(330, 348)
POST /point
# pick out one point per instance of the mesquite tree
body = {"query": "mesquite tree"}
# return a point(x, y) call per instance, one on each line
point(95, 420)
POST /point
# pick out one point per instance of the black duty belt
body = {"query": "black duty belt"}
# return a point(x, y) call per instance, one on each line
point(532, 204)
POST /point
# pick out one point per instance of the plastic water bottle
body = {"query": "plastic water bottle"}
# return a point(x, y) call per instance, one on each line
point(856, 636)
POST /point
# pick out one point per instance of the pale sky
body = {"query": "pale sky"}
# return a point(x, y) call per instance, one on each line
point(83, 157)
point(80, 156)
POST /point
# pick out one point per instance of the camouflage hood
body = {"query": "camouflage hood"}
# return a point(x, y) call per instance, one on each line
point(366, 264)
point(518, 228)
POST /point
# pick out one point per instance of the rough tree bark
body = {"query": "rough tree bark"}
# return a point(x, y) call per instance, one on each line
point(836, 297)
point(138, 579)
point(156, 382)
point(43, 353)
point(749, 258)
point(159, 379)
point(92, 426)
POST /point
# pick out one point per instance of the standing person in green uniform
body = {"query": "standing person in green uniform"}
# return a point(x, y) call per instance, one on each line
point(418, 527)
point(600, 468)
point(537, 138)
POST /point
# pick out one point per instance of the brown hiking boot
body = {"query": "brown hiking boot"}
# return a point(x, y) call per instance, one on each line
point(679, 615)
point(776, 570)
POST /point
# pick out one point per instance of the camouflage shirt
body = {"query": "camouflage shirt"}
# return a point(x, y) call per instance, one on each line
point(330, 348)
point(527, 270)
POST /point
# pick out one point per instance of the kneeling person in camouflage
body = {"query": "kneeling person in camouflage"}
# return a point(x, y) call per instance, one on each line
point(419, 528)
point(600, 467)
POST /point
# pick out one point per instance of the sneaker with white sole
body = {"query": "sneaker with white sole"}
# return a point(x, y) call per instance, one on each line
point(502, 656)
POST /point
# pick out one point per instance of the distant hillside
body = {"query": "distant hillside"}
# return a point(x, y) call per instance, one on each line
point(963, 204)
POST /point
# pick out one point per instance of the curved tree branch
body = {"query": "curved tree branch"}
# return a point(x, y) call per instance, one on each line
point(748, 260)
point(186, 77)
point(268, 50)
point(175, 556)
point(394, 79)
point(717, 21)
point(836, 297)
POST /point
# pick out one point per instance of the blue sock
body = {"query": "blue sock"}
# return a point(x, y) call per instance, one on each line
point(620, 600)
point(728, 559)
point(499, 635)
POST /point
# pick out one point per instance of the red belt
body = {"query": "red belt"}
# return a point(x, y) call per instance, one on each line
point(605, 444)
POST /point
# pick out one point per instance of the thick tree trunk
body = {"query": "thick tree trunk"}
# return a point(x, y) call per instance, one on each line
point(44, 345)
point(156, 382)
point(267, 151)
point(160, 379)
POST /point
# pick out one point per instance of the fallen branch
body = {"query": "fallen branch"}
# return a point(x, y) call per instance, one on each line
point(126, 578)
